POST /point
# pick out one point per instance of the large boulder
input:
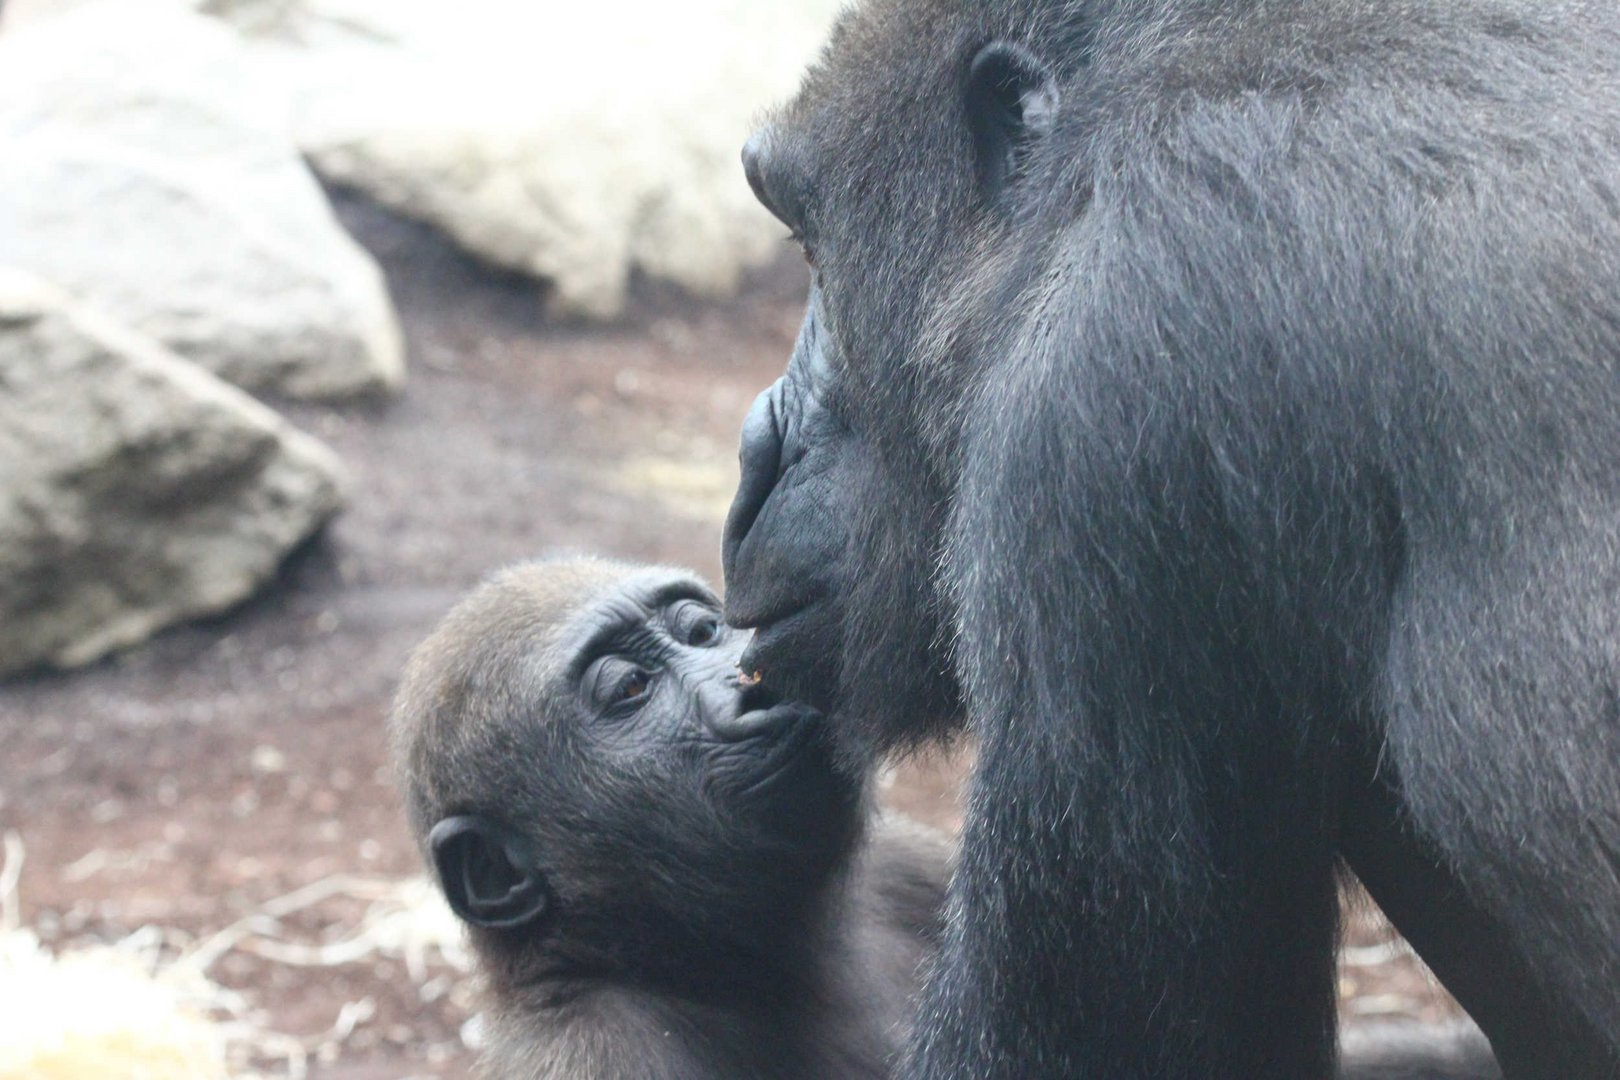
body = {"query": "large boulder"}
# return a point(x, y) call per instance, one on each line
point(136, 489)
point(577, 143)
point(148, 171)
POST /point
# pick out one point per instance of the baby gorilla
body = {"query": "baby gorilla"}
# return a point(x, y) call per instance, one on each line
point(658, 863)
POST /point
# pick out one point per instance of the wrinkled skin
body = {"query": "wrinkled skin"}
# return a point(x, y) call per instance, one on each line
point(1216, 406)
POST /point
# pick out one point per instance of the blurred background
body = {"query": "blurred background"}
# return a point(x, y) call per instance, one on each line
point(312, 313)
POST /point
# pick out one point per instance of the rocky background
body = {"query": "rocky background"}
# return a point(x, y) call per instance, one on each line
point(158, 178)
point(312, 313)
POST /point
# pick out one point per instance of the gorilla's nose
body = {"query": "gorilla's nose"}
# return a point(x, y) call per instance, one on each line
point(760, 456)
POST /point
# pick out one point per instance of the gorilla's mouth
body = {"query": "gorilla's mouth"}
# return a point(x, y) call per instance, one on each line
point(779, 642)
point(795, 653)
point(756, 696)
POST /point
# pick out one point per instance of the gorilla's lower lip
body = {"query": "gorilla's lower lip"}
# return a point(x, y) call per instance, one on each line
point(758, 697)
point(772, 645)
point(797, 656)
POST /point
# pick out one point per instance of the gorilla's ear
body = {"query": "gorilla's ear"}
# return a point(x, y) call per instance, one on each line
point(1011, 101)
point(488, 873)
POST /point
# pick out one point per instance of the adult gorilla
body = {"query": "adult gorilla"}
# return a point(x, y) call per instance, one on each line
point(1222, 402)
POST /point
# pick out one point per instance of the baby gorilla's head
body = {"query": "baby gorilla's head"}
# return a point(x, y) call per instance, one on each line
point(597, 785)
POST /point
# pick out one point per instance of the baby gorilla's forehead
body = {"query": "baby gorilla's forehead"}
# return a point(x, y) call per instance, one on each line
point(540, 614)
point(625, 605)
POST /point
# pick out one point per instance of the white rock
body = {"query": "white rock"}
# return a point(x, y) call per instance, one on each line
point(574, 142)
point(146, 170)
point(136, 489)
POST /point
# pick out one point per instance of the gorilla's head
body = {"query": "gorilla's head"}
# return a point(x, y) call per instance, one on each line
point(901, 168)
point(595, 781)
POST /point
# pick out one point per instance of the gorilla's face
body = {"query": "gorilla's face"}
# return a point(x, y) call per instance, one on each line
point(898, 168)
point(630, 785)
point(661, 699)
point(788, 532)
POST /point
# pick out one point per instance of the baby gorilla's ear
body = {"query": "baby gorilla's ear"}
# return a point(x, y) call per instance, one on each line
point(488, 872)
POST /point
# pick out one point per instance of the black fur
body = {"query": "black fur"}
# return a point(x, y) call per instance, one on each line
point(1241, 454)
point(657, 864)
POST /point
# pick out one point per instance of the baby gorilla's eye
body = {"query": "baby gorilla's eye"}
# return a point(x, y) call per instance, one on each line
point(695, 624)
point(704, 632)
point(618, 686)
point(631, 687)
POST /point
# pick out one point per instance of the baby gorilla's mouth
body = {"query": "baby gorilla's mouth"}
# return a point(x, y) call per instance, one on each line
point(760, 713)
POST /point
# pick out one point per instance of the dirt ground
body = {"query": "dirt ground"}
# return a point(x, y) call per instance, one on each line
point(188, 784)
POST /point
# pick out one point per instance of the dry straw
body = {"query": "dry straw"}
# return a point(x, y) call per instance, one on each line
point(145, 1007)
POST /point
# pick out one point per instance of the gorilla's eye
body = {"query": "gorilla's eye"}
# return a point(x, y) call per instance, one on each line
point(630, 688)
point(696, 624)
point(618, 685)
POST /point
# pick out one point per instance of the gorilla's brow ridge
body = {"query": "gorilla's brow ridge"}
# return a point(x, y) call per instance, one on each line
point(595, 638)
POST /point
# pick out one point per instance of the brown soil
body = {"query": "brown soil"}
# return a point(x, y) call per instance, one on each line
point(187, 783)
